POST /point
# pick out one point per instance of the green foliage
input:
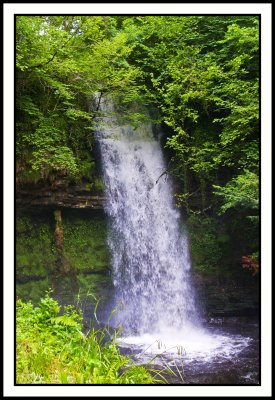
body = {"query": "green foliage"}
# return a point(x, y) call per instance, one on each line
point(86, 168)
point(241, 191)
point(201, 73)
point(217, 243)
point(255, 256)
point(62, 62)
point(206, 243)
point(80, 290)
point(85, 244)
point(51, 348)
point(99, 185)
point(35, 257)
point(32, 289)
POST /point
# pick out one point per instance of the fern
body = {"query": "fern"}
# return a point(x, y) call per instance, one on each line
point(64, 320)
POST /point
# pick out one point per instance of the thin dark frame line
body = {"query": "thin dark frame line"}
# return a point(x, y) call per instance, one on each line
point(260, 282)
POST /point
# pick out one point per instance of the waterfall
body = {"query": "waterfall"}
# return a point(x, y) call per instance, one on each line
point(150, 257)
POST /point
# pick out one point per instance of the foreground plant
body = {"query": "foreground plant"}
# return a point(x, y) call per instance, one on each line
point(52, 348)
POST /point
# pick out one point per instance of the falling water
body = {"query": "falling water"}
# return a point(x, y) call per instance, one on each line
point(150, 257)
point(151, 264)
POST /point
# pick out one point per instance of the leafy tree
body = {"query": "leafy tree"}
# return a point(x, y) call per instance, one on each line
point(201, 74)
point(61, 63)
point(241, 191)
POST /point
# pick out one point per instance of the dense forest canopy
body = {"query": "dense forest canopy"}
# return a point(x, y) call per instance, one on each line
point(201, 74)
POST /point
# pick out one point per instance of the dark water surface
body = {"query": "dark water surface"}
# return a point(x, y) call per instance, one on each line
point(222, 368)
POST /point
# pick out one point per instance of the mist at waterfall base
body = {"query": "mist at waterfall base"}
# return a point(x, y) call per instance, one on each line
point(154, 298)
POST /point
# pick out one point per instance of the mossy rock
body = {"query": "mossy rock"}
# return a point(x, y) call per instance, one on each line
point(84, 245)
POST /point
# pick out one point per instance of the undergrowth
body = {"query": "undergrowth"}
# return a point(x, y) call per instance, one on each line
point(52, 348)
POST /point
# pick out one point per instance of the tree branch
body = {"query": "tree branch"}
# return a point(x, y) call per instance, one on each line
point(163, 173)
point(51, 59)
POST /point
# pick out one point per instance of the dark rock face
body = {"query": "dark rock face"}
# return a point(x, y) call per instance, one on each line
point(227, 299)
point(62, 197)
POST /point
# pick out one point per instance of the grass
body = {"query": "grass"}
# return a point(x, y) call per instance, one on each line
point(51, 348)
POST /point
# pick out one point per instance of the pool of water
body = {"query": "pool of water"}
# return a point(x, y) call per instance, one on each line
point(225, 352)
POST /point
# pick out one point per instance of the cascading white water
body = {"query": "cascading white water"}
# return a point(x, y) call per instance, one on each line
point(150, 257)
